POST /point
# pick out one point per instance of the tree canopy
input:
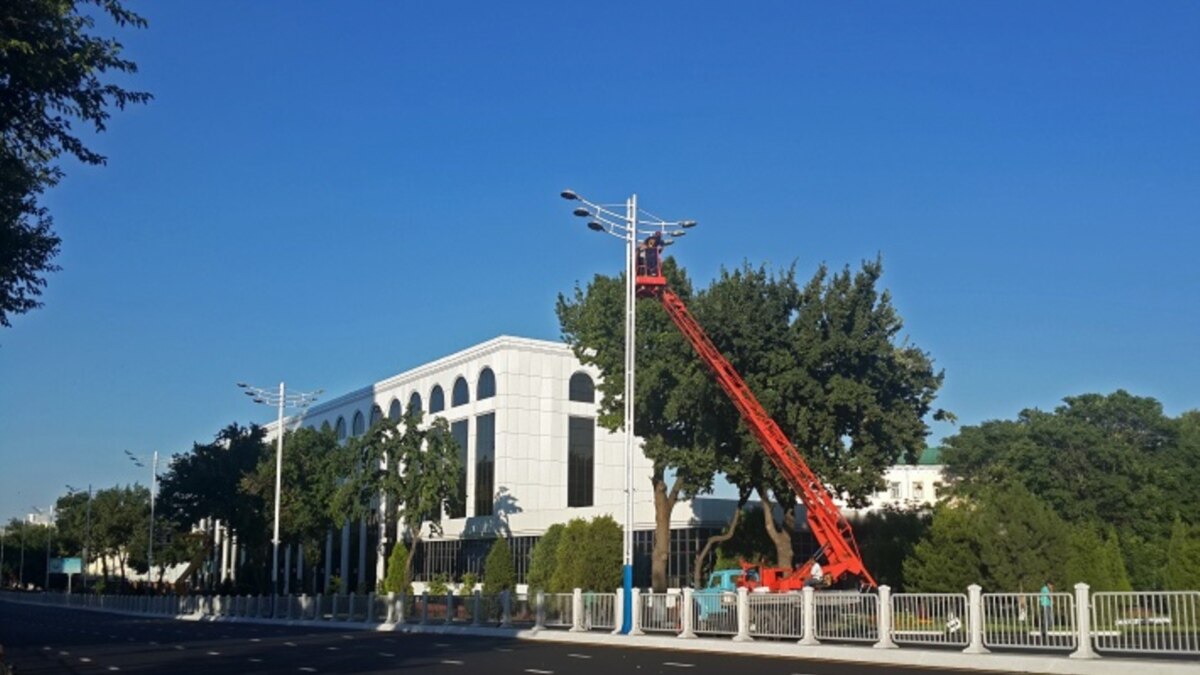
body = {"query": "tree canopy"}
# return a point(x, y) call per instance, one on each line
point(54, 73)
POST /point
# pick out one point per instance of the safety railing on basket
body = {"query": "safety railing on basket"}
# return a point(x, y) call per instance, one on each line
point(778, 615)
point(1164, 622)
point(930, 618)
point(1029, 621)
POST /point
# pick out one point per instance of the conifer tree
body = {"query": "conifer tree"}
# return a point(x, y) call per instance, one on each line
point(498, 572)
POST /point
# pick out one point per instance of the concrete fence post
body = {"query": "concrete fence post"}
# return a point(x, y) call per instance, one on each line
point(506, 609)
point(636, 607)
point(476, 602)
point(333, 609)
point(449, 608)
point(885, 619)
point(687, 616)
point(350, 606)
point(577, 611)
point(619, 612)
point(975, 620)
point(743, 615)
point(540, 611)
point(371, 607)
point(302, 602)
point(1083, 623)
point(391, 610)
point(808, 616)
point(424, 607)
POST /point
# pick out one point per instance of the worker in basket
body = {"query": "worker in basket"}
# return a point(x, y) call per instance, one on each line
point(650, 256)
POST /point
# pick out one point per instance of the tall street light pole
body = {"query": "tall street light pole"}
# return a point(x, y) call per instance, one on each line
point(628, 227)
point(281, 401)
point(153, 488)
point(87, 533)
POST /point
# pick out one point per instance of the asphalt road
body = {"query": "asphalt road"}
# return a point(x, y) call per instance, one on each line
point(42, 640)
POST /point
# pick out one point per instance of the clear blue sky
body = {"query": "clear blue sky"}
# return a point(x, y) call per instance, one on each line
point(332, 193)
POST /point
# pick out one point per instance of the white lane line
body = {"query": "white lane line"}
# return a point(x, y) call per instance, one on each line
point(452, 663)
point(256, 639)
point(675, 664)
point(179, 647)
point(387, 655)
point(307, 669)
point(84, 659)
point(255, 660)
point(535, 671)
point(503, 649)
point(113, 668)
point(441, 644)
point(214, 653)
point(61, 653)
point(153, 643)
point(290, 644)
point(332, 649)
point(579, 656)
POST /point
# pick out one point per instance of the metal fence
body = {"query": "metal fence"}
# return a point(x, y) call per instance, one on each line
point(522, 610)
point(1166, 622)
point(714, 613)
point(930, 618)
point(660, 612)
point(599, 611)
point(1029, 621)
point(558, 610)
point(776, 615)
point(847, 616)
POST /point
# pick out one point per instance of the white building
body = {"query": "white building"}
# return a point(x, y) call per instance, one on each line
point(524, 413)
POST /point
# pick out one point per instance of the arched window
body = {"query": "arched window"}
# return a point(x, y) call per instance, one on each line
point(486, 386)
point(376, 414)
point(414, 402)
point(325, 426)
point(461, 394)
point(359, 425)
point(581, 388)
point(394, 410)
point(437, 400)
point(340, 428)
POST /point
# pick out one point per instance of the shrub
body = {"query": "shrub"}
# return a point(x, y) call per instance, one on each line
point(498, 572)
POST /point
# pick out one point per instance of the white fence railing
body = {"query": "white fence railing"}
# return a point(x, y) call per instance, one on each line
point(930, 618)
point(1147, 623)
point(847, 616)
point(1029, 621)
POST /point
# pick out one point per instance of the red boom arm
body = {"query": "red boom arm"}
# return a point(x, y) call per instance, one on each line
point(828, 525)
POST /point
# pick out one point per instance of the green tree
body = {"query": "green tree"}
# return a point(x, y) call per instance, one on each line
point(887, 538)
point(498, 572)
point(669, 377)
point(56, 73)
point(1182, 571)
point(947, 558)
point(569, 557)
point(1021, 542)
point(542, 558)
point(207, 483)
point(309, 480)
point(415, 469)
point(396, 580)
point(601, 560)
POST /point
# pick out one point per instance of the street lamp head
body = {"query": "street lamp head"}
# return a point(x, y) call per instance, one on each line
point(678, 233)
point(595, 226)
point(582, 212)
point(668, 242)
point(243, 385)
point(687, 223)
point(569, 195)
point(259, 400)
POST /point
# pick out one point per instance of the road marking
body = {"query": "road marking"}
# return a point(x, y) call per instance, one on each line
point(307, 669)
point(290, 644)
point(113, 668)
point(347, 637)
point(387, 654)
point(153, 643)
point(256, 639)
point(503, 649)
point(535, 671)
point(452, 663)
point(255, 660)
point(441, 644)
point(214, 653)
point(64, 653)
point(179, 647)
point(579, 656)
point(46, 649)
point(84, 659)
point(679, 665)
point(332, 649)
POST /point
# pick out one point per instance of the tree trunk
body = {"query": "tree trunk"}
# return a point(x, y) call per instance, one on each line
point(698, 567)
point(664, 503)
point(412, 554)
point(781, 536)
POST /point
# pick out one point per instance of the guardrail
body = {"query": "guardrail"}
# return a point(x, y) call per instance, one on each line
point(1146, 623)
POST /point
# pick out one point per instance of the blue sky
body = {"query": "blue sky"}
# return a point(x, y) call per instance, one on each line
point(332, 193)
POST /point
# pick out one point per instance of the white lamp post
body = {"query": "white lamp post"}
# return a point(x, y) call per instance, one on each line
point(628, 227)
point(87, 534)
point(281, 401)
point(153, 488)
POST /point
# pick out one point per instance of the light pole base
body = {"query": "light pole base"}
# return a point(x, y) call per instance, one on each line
point(627, 599)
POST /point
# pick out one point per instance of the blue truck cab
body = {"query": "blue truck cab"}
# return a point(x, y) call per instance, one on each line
point(720, 595)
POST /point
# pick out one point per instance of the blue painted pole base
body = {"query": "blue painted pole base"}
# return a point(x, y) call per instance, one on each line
point(627, 614)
